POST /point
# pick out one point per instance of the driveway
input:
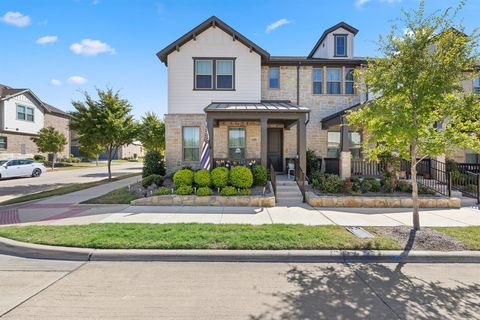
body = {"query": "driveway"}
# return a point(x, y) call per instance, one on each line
point(12, 188)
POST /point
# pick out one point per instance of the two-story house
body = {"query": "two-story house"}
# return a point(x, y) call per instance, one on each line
point(22, 115)
point(259, 107)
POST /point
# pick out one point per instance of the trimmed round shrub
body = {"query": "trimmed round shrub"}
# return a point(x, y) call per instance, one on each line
point(184, 190)
point(370, 185)
point(403, 186)
point(259, 175)
point(153, 164)
point(241, 177)
point(153, 178)
point(347, 186)
point(162, 191)
point(228, 191)
point(183, 177)
point(332, 184)
point(243, 192)
point(219, 177)
point(202, 178)
point(204, 191)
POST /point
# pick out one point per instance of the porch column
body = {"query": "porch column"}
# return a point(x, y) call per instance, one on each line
point(345, 154)
point(302, 143)
point(210, 134)
point(263, 141)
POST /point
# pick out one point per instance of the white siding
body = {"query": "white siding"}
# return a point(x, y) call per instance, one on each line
point(211, 43)
point(327, 47)
point(10, 121)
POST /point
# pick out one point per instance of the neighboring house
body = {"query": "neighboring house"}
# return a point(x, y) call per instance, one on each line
point(263, 108)
point(131, 151)
point(22, 115)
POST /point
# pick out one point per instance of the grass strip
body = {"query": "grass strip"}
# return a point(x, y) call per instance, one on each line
point(469, 236)
point(118, 196)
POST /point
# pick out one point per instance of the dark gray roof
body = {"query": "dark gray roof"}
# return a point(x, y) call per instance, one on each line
point(342, 24)
point(212, 21)
point(336, 117)
point(312, 61)
point(53, 109)
point(262, 106)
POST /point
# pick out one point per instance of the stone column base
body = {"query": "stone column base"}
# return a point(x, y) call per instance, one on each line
point(345, 164)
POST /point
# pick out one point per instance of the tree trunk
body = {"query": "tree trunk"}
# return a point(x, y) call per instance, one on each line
point(109, 162)
point(96, 160)
point(416, 217)
point(54, 158)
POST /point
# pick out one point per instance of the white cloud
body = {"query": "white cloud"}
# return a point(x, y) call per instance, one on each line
point(16, 19)
point(361, 3)
point(77, 80)
point(277, 24)
point(89, 47)
point(55, 82)
point(46, 40)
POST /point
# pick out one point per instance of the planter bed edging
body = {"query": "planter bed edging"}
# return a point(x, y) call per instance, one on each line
point(378, 202)
point(192, 200)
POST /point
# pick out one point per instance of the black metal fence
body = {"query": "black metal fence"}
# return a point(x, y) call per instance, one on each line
point(300, 178)
point(273, 179)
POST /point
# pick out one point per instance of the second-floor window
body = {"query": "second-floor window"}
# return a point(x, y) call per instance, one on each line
point(214, 74)
point(349, 81)
point(274, 77)
point(340, 45)
point(334, 80)
point(25, 113)
point(317, 80)
point(476, 85)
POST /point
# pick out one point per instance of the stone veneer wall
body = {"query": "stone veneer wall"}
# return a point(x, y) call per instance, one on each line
point(60, 123)
point(14, 142)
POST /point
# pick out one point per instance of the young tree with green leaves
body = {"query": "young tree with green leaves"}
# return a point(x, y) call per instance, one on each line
point(90, 149)
point(421, 109)
point(50, 140)
point(152, 132)
point(106, 122)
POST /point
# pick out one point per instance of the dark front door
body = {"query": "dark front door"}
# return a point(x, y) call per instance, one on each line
point(275, 147)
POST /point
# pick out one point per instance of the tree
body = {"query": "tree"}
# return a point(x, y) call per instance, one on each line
point(50, 140)
point(421, 109)
point(106, 122)
point(90, 149)
point(152, 132)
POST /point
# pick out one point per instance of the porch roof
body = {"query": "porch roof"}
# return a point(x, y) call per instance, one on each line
point(280, 106)
point(336, 118)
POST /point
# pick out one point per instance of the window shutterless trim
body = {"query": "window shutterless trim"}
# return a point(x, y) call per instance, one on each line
point(335, 36)
point(183, 144)
point(4, 143)
point(313, 81)
point(245, 140)
point(214, 74)
point(345, 81)
point(268, 76)
point(25, 113)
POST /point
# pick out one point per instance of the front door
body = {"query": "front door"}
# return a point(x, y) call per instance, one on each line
point(275, 148)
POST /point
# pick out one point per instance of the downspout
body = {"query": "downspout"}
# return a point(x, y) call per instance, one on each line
point(298, 83)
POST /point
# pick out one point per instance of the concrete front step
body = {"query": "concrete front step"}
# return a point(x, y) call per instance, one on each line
point(283, 193)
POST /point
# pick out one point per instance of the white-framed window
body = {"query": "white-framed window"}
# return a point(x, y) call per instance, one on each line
point(191, 143)
point(340, 45)
point(334, 80)
point(355, 144)
point(214, 74)
point(349, 81)
point(203, 74)
point(25, 113)
point(224, 74)
point(476, 85)
point(274, 77)
point(317, 77)
point(333, 144)
point(3, 143)
point(236, 143)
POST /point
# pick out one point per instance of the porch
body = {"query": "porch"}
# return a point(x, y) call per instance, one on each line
point(263, 133)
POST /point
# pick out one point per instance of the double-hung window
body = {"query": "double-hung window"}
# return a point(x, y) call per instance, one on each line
point(224, 74)
point(334, 80)
point(191, 143)
point(3, 143)
point(349, 81)
point(317, 80)
point(333, 144)
point(340, 45)
point(25, 113)
point(355, 144)
point(214, 74)
point(236, 143)
point(476, 85)
point(203, 74)
point(274, 77)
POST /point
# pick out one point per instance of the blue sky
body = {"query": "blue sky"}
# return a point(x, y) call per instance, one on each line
point(60, 47)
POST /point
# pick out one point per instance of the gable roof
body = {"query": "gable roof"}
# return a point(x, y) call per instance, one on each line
point(342, 24)
point(213, 21)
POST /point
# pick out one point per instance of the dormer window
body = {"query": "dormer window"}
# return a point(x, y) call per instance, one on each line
point(340, 45)
point(476, 85)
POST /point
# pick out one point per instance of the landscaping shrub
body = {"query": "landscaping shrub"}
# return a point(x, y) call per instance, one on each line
point(228, 191)
point(184, 190)
point(202, 178)
point(316, 180)
point(259, 175)
point(243, 192)
point(241, 177)
point(347, 186)
point(370, 185)
point(313, 163)
point(204, 191)
point(183, 177)
point(39, 157)
point(356, 184)
point(219, 177)
point(425, 190)
point(153, 164)
point(389, 185)
point(403, 186)
point(162, 191)
point(153, 178)
point(332, 184)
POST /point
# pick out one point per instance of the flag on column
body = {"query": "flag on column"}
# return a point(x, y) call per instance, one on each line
point(205, 155)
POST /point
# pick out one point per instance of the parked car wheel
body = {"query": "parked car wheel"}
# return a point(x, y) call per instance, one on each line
point(36, 173)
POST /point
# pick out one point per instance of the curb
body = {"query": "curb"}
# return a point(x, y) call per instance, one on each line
point(36, 251)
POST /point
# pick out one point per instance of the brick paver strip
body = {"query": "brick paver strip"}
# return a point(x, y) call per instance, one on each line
point(67, 214)
point(9, 217)
point(46, 205)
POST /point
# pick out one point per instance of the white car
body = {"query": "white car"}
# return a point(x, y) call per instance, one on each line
point(20, 168)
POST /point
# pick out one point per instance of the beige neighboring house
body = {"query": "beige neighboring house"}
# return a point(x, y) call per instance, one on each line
point(22, 115)
point(130, 151)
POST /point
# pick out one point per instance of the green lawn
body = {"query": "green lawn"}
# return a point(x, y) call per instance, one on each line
point(196, 236)
point(120, 195)
point(469, 236)
point(64, 190)
point(85, 165)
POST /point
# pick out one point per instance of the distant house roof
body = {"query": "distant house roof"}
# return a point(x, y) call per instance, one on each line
point(262, 106)
point(342, 24)
point(210, 22)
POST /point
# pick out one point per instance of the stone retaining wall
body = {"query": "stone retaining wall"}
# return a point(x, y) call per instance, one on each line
point(191, 200)
point(379, 202)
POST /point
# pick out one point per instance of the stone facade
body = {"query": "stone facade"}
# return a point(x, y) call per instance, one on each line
point(14, 146)
point(60, 123)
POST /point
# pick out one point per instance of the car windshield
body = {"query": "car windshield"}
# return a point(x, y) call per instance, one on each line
point(2, 162)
